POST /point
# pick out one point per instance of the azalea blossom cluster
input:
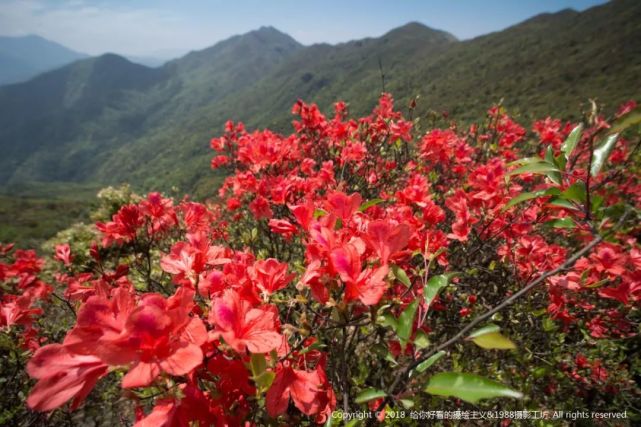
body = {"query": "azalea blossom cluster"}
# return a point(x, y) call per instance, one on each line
point(290, 293)
point(21, 292)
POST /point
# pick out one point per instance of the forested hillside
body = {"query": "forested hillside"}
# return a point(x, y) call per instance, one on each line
point(105, 120)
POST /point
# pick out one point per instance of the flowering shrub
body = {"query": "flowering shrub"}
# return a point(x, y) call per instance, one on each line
point(353, 264)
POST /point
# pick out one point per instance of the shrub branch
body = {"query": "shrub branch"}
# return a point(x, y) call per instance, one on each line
point(402, 377)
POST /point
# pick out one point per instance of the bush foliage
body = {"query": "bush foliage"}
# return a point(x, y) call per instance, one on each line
point(356, 264)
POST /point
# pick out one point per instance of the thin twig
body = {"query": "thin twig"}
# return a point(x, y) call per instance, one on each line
point(67, 303)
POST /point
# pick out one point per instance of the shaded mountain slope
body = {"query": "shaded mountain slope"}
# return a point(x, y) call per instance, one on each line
point(66, 124)
point(125, 122)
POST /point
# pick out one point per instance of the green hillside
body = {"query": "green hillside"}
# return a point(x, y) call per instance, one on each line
point(550, 64)
point(69, 122)
point(106, 120)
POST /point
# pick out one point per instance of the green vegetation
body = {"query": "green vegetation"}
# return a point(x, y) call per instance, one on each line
point(33, 213)
point(106, 120)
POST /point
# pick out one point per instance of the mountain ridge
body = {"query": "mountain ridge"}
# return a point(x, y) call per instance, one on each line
point(154, 132)
point(24, 57)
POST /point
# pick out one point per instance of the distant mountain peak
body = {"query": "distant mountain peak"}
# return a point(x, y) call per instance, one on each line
point(33, 41)
point(262, 40)
point(29, 37)
point(414, 25)
point(270, 34)
point(418, 29)
point(268, 29)
point(24, 57)
point(111, 58)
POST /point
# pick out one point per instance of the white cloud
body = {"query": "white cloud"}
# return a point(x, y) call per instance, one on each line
point(96, 29)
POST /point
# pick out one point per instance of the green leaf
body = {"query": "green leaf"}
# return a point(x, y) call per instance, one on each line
point(525, 160)
point(489, 337)
point(315, 346)
point(540, 312)
point(390, 358)
point(532, 195)
point(563, 203)
point(387, 320)
point(602, 153)
point(421, 340)
point(561, 161)
point(572, 140)
point(369, 394)
point(541, 167)
point(575, 192)
point(265, 380)
point(539, 372)
point(329, 422)
point(405, 322)
point(401, 275)
point(261, 376)
point(258, 364)
point(434, 286)
point(548, 324)
point(555, 176)
point(597, 202)
point(484, 330)
point(423, 366)
point(566, 222)
point(468, 387)
point(597, 284)
point(521, 198)
point(319, 213)
point(407, 403)
point(368, 204)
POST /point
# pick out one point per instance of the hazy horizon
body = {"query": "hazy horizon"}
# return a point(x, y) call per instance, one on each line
point(165, 30)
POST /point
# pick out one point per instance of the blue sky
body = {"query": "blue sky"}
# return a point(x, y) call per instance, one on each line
point(166, 28)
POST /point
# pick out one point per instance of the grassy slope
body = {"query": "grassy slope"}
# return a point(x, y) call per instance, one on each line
point(32, 213)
